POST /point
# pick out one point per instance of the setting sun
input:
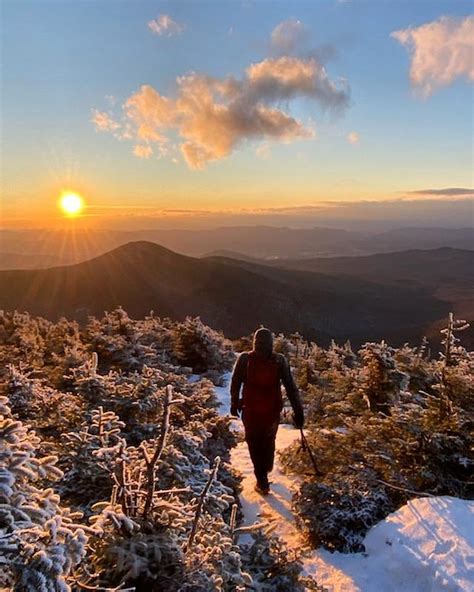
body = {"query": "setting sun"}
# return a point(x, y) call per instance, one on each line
point(71, 203)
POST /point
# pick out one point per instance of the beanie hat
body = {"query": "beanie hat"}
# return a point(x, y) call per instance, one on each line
point(263, 342)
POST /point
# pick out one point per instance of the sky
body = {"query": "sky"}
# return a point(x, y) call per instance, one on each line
point(178, 110)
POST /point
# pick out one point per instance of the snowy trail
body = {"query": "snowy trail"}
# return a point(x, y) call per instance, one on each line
point(274, 509)
point(426, 546)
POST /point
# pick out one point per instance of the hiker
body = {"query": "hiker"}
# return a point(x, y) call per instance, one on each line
point(261, 371)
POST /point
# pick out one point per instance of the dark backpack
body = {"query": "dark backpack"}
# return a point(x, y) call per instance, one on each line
point(261, 391)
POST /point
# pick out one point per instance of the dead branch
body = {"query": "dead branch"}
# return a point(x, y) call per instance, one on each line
point(151, 462)
point(202, 498)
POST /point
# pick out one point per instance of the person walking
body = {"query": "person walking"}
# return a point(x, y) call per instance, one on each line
point(261, 372)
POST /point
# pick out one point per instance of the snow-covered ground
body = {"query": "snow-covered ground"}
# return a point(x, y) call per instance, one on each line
point(426, 546)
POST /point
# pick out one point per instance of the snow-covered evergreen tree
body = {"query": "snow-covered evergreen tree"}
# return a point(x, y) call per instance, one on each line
point(40, 542)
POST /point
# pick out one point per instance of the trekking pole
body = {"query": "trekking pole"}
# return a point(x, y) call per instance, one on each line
point(306, 448)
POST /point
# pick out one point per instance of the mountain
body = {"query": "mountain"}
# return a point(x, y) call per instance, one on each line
point(447, 274)
point(436, 267)
point(225, 254)
point(230, 295)
point(28, 261)
point(261, 242)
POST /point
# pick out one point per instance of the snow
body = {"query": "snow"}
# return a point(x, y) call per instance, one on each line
point(426, 546)
point(223, 394)
point(274, 509)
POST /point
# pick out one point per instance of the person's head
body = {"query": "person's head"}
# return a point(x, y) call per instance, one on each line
point(263, 342)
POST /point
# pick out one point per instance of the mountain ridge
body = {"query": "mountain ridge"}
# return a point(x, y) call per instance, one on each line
point(233, 296)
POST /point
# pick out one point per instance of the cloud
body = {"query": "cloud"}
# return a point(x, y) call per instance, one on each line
point(441, 52)
point(142, 151)
point(287, 35)
point(353, 138)
point(447, 192)
point(213, 116)
point(263, 151)
point(103, 122)
point(291, 37)
point(164, 25)
point(286, 77)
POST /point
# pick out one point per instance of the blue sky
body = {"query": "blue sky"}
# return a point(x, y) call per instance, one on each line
point(62, 59)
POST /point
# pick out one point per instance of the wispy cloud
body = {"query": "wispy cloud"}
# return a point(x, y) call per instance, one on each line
point(440, 51)
point(142, 151)
point(287, 35)
point(353, 138)
point(164, 25)
point(446, 192)
point(103, 121)
point(263, 151)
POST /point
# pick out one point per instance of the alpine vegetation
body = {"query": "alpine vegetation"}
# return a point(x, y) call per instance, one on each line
point(385, 425)
point(114, 461)
point(115, 466)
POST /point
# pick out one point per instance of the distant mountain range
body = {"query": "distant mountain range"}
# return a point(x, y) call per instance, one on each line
point(237, 296)
point(260, 242)
point(28, 260)
point(416, 267)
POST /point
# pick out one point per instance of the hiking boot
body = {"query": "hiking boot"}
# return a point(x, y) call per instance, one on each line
point(262, 488)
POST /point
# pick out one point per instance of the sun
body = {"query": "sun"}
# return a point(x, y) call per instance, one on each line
point(71, 203)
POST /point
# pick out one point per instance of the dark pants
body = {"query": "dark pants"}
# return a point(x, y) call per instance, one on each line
point(260, 437)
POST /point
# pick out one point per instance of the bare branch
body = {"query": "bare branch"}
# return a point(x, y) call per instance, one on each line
point(202, 498)
point(151, 464)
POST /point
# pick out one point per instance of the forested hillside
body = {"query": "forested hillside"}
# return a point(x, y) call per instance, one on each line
point(115, 460)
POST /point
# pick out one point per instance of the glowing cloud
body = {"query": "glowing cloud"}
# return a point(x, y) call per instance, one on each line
point(441, 52)
point(213, 116)
point(142, 151)
point(103, 122)
point(164, 25)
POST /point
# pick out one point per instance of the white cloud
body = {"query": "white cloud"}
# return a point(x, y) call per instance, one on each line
point(441, 52)
point(164, 25)
point(287, 35)
point(353, 138)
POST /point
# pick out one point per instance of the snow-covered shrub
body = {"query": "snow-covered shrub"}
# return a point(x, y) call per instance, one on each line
point(89, 457)
point(338, 514)
point(24, 336)
point(271, 564)
point(371, 464)
point(381, 381)
point(117, 341)
point(200, 347)
point(163, 527)
point(455, 371)
point(46, 409)
point(40, 542)
point(384, 425)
